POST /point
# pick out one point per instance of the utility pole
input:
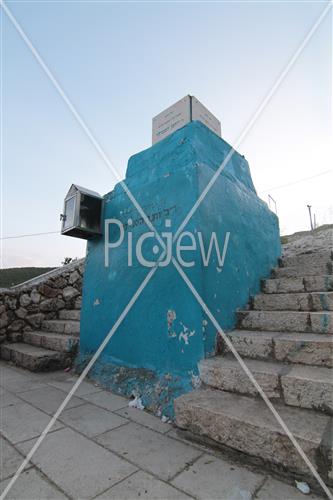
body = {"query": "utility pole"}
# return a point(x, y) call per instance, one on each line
point(269, 202)
point(311, 223)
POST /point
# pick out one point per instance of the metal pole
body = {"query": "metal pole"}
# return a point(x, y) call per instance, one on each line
point(311, 223)
point(269, 202)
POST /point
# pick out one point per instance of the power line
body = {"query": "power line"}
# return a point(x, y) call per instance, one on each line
point(26, 235)
point(264, 191)
point(296, 182)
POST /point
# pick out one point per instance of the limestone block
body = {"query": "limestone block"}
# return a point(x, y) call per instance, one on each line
point(321, 322)
point(282, 302)
point(69, 314)
point(78, 303)
point(35, 320)
point(35, 296)
point(70, 293)
point(309, 387)
point(245, 424)
point(227, 374)
point(318, 283)
point(309, 349)
point(283, 321)
point(34, 358)
point(306, 260)
point(32, 308)
point(16, 325)
point(289, 272)
point(10, 302)
point(59, 282)
point(72, 327)
point(25, 300)
point(74, 277)
point(49, 305)
point(21, 312)
point(283, 285)
point(252, 344)
point(4, 320)
point(47, 291)
point(322, 301)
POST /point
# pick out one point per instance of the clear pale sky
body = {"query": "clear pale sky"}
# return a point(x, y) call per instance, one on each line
point(121, 64)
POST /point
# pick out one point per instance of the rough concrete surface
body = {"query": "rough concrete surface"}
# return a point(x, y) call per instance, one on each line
point(247, 425)
point(285, 338)
point(135, 460)
point(226, 374)
point(319, 241)
point(309, 388)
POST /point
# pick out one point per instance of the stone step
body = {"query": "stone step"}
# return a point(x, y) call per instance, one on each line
point(300, 284)
point(35, 358)
point(247, 425)
point(314, 301)
point(306, 348)
point(303, 386)
point(309, 387)
point(68, 327)
point(286, 321)
point(53, 341)
point(225, 374)
point(71, 314)
point(306, 259)
point(300, 271)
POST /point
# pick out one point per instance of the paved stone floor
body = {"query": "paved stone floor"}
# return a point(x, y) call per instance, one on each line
point(101, 448)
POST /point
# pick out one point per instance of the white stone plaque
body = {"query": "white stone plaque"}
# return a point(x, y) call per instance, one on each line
point(171, 119)
point(181, 113)
point(199, 112)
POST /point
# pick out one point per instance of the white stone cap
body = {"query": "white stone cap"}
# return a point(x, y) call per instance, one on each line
point(179, 114)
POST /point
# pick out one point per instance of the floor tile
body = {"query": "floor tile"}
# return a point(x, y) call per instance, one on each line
point(8, 372)
point(174, 434)
point(81, 468)
point(106, 400)
point(48, 377)
point(49, 399)
point(144, 418)
point(143, 485)
point(18, 380)
point(10, 459)
point(67, 384)
point(8, 399)
point(18, 385)
point(84, 469)
point(275, 490)
point(22, 421)
point(150, 450)
point(32, 486)
point(213, 478)
point(91, 420)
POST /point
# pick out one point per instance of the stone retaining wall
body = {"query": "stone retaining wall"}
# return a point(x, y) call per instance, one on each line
point(24, 307)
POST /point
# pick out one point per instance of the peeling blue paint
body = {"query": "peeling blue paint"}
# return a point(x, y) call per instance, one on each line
point(324, 320)
point(324, 301)
point(328, 283)
point(156, 389)
point(156, 349)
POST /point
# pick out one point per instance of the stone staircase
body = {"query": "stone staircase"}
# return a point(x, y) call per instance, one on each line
point(53, 347)
point(285, 338)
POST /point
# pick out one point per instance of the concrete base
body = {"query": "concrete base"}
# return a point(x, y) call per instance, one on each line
point(136, 455)
point(156, 390)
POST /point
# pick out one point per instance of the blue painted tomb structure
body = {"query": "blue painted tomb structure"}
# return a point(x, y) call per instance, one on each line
point(155, 351)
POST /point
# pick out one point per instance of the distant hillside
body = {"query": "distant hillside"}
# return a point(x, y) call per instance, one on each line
point(15, 275)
